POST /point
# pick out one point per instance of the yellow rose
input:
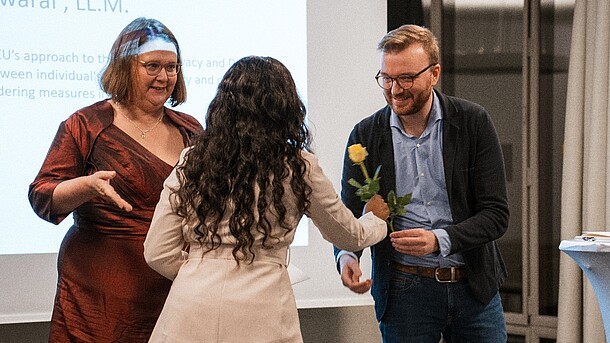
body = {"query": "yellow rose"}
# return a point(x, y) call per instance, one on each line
point(357, 153)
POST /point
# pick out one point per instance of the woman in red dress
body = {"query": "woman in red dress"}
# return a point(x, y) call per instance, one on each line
point(107, 165)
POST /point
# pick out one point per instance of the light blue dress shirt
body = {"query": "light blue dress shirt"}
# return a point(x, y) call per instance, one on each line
point(419, 171)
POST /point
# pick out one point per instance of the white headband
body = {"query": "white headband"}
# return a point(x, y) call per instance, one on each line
point(157, 44)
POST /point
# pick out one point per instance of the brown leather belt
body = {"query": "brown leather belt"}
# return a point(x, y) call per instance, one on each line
point(442, 275)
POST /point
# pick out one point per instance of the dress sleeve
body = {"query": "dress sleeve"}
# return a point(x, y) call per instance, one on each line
point(64, 161)
point(334, 220)
point(164, 241)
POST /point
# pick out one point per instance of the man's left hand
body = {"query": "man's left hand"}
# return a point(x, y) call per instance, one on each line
point(416, 242)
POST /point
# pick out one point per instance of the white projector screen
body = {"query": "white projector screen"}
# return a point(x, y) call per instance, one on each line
point(49, 63)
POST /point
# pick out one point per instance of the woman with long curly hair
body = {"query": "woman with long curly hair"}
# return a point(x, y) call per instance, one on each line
point(234, 201)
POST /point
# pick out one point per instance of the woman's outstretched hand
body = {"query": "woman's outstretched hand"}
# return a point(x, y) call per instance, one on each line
point(378, 206)
point(72, 193)
point(100, 181)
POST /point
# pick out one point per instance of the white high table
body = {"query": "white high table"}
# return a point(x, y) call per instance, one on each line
point(592, 254)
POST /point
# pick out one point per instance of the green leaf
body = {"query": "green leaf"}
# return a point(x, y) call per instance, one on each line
point(354, 183)
point(397, 205)
point(404, 200)
point(400, 211)
point(365, 193)
point(374, 187)
point(391, 198)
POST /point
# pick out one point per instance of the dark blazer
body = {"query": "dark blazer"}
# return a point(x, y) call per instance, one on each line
point(476, 186)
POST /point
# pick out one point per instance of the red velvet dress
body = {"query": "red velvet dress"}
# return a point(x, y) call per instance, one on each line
point(106, 292)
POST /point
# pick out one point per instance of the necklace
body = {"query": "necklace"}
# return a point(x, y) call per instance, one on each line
point(144, 132)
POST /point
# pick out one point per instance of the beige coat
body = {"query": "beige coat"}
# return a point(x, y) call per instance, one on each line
point(214, 300)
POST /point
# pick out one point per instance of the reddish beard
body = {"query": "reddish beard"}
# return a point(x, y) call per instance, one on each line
point(418, 101)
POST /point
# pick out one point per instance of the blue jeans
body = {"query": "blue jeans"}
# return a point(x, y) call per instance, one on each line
point(421, 310)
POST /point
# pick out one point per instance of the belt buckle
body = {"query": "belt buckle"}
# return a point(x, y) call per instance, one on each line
point(451, 280)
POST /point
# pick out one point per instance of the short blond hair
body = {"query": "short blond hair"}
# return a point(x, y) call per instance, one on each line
point(407, 35)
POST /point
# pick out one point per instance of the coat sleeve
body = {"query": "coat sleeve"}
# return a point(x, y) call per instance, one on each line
point(348, 192)
point(479, 203)
point(163, 246)
point(64, 161)
point(335, 221)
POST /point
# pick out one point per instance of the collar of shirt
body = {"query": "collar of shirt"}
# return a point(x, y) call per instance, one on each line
point(436, 114)
point(419, 171)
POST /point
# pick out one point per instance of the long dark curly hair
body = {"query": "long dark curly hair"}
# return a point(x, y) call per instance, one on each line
point(255, 132)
